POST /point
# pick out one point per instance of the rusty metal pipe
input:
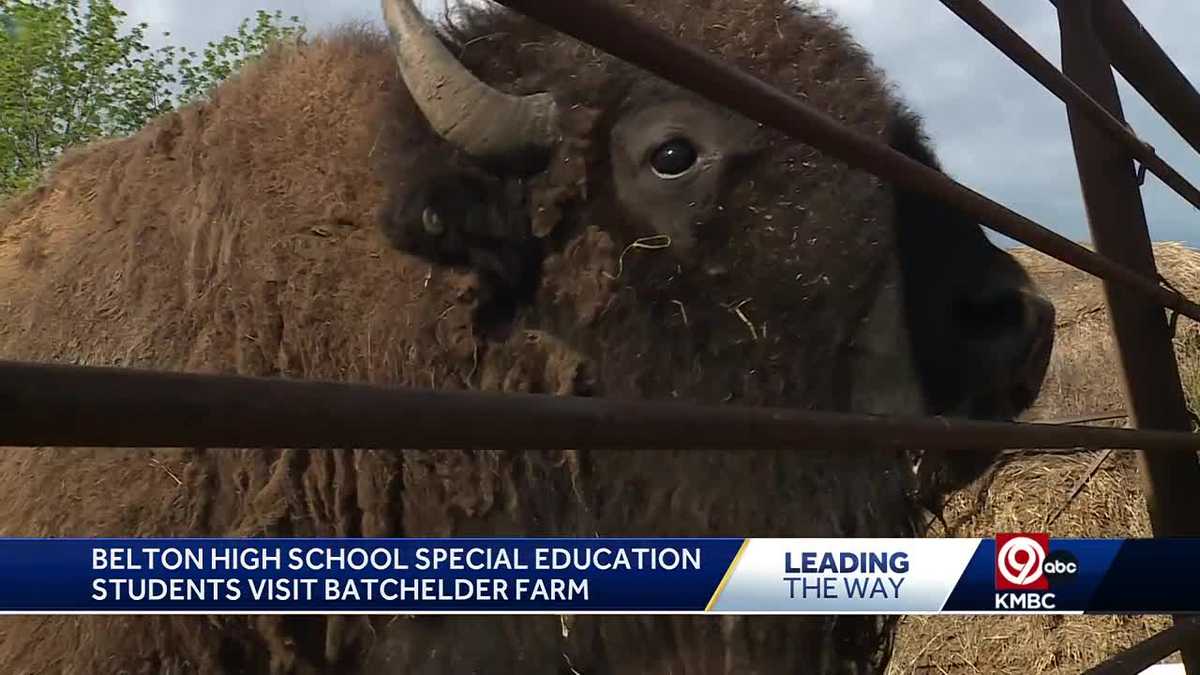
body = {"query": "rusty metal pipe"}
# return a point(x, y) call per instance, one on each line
point(993, 29)
point(58, 405)
point(1143, 655)
point(605, 27)
point(1117, 218)
point(1141, 61)
point(1085, 419)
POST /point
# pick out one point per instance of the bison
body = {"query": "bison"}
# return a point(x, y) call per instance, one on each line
point(494, 206)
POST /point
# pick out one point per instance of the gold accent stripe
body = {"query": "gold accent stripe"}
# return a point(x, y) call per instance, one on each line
point(728, 573)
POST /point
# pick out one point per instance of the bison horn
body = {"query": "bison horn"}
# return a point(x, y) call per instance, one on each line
point(484, 122)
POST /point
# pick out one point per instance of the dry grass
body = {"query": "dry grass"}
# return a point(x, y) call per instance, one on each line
point(1026, 491)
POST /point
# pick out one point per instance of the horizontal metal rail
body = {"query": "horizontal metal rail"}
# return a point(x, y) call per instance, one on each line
point(993, 29)
point(600, 24)
point(1143, 655)
point(1086, 419)
point(60, 405)
point(1139, 58)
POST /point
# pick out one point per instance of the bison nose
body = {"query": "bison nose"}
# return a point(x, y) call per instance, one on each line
point(1032, 369)
point(1005, 334)
point(1010, 333)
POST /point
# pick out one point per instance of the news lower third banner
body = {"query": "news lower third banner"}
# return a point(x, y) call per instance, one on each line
point(1011, 573)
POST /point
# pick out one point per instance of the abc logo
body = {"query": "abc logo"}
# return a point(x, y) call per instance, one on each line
point(1061, 567)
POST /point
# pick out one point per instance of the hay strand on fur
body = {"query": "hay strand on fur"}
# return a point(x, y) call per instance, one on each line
point(657, 242)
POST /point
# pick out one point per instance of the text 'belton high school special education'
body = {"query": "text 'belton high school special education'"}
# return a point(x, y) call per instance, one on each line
point(449, 558)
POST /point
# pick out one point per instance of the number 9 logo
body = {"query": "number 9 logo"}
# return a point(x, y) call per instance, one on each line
point(1020, 561)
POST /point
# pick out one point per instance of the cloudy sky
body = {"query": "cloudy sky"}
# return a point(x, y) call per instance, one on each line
point(996, 130)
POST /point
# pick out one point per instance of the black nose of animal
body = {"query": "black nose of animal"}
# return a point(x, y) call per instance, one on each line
point(1032, 369)
point(1010, 333)
point(1006, 334)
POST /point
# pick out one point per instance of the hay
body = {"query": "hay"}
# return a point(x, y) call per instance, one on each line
point(1027, 490)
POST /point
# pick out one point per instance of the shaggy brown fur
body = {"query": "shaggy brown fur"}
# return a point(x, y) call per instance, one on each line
point(238, 235)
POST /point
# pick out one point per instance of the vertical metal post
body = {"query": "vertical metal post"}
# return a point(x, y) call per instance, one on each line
point(1117, 220)
point(1137, 56)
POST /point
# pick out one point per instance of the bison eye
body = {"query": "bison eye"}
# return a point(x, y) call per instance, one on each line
point(432, 222)
point(673, 158)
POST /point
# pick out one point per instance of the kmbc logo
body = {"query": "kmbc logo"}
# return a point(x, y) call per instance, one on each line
point(1021, 562)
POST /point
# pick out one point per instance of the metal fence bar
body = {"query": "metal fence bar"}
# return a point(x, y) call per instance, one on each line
point(59, 405)
point(993, 29)
point(1147, 67)
point(1117, 219)
point(1148, 652)
point(598, 23)
point(1085, 419)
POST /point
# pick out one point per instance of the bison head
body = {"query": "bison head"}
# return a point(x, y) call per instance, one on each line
point(891, 285)
point(687, 252)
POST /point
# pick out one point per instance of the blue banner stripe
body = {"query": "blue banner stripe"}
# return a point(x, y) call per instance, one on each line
point(597, 575)
point(982, 550)
point(410, 575)
point(712, 601)
point(1151, 576)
